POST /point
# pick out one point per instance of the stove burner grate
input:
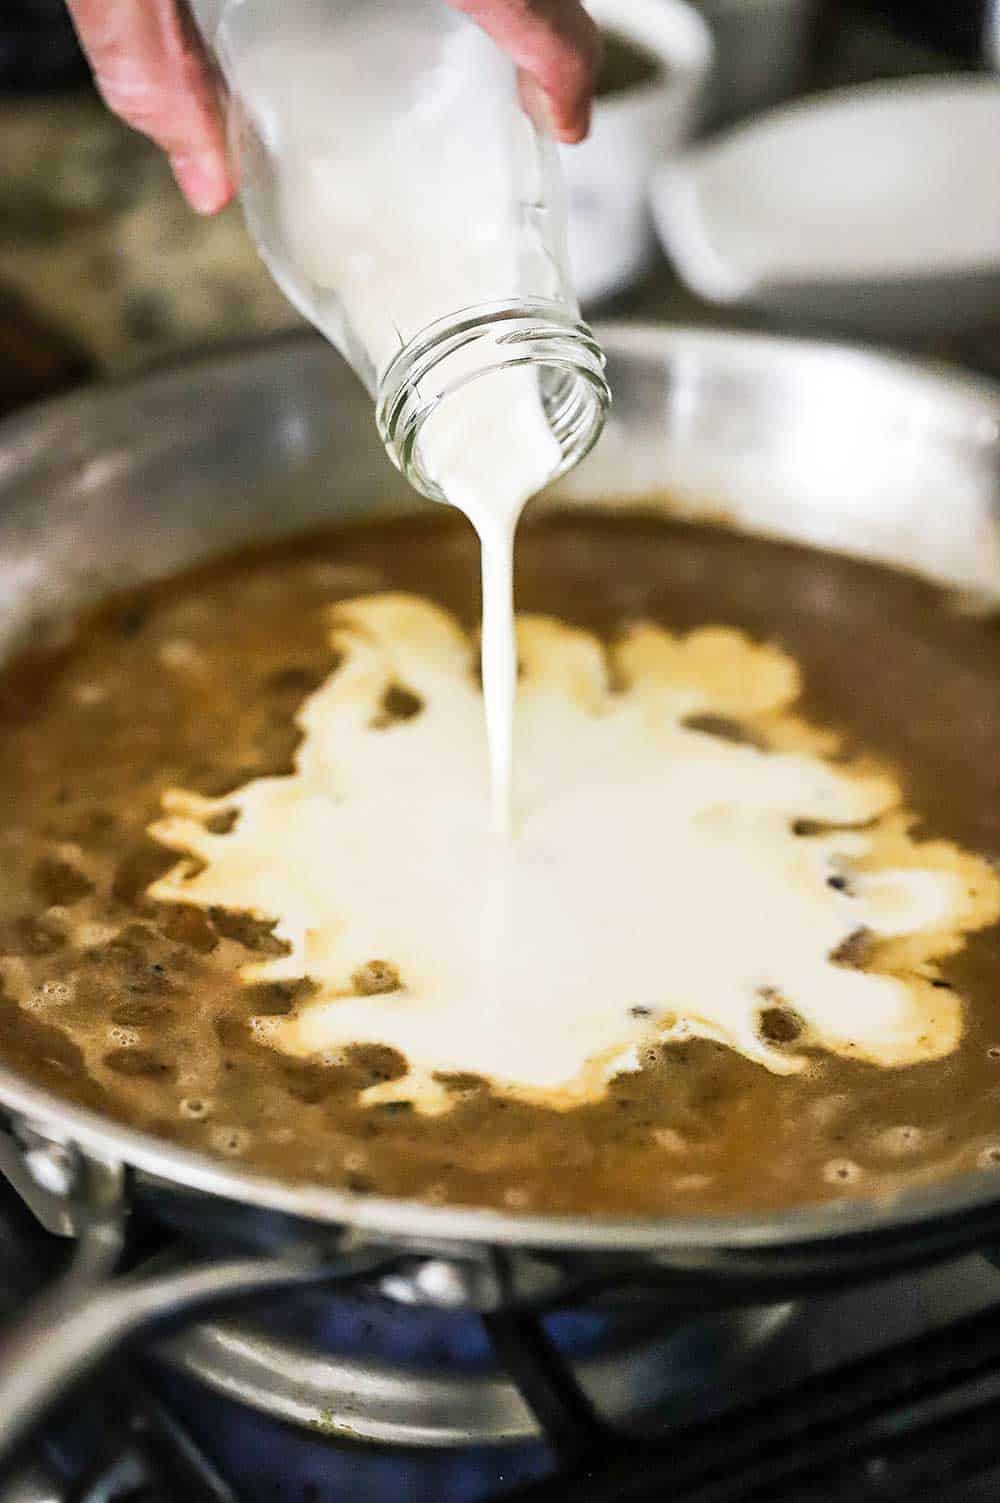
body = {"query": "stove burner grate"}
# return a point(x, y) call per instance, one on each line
point(914, 1414)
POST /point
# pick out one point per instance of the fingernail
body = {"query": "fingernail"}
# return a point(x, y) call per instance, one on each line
point(576, 127)
point(203, 178)
point(572, 135)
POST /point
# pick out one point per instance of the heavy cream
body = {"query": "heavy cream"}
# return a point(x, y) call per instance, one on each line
point(662, 884)
point(490, 449)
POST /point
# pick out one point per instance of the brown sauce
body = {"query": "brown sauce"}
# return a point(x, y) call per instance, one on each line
point(134, 1008)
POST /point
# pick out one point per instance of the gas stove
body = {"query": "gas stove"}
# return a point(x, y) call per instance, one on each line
point(318, 1397)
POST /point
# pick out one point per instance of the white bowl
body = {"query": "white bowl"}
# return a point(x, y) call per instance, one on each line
point(876, 208)
point(611, 237)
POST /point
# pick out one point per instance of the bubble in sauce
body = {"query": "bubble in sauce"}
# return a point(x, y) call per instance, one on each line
point(49, 994)
point(900, 1140)
point(842, 1172)
point(194, 1106)
point(232, 1141)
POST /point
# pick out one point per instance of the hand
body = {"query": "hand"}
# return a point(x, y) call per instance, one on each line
point(151, 70)
point(558, 49)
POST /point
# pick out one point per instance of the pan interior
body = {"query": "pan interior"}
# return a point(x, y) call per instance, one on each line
point(132, 1006)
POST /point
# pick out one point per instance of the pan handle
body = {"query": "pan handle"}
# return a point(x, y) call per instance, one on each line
point(86, 1315)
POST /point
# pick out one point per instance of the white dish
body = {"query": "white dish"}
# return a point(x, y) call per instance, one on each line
point(611, 236)
point(877, 206)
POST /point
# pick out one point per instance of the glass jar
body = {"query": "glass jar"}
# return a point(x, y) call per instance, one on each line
point(408, 207)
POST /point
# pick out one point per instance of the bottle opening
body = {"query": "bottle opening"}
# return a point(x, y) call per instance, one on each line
point(540, 337)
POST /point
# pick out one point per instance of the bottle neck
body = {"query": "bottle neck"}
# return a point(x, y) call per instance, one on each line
point(473, 345)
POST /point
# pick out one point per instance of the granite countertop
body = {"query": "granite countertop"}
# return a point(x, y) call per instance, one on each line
point(95, 238)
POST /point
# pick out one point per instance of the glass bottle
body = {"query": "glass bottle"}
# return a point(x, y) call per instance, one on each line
point(408, 206)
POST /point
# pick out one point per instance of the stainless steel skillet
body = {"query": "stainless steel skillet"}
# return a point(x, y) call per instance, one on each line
point(832, 446)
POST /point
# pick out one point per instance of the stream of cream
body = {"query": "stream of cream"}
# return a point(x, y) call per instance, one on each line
point(490, 449)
